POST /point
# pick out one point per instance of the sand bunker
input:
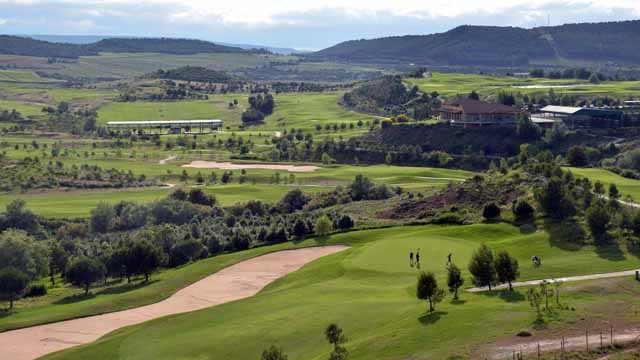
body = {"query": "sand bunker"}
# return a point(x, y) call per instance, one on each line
point(238, 281)
point(199, 164)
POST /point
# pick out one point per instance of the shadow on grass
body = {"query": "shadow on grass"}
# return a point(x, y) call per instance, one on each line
point(125, 287)
point(567, 235)
point(458, 302)
point(610, 250)
point(431, 318)
point(75, 298)
point(506, 295)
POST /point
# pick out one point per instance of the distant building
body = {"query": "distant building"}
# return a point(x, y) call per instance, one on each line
point(475, 113)
point(578, 116)
point(171, 126)
point(632, 104)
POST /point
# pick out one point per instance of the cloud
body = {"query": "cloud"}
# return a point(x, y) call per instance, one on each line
point(3, 21)
point(304, 24)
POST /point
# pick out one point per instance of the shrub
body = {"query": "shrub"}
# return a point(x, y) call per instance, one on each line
point(491, 211)
point(36, 290)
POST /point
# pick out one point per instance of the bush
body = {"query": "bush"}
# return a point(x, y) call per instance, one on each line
point(522, 210)
point(345, 222)
point(491, 211)
point(36, 290)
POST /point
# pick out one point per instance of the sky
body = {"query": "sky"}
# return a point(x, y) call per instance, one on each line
point(300, 24)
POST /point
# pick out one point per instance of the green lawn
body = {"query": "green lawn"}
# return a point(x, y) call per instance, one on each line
point(626, 186)
point(369, 291)
point(78, 203)
point(25, 108)
point(489, 85)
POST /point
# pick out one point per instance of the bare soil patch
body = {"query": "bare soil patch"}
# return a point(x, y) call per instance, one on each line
point(235, 282)
point(199, 164)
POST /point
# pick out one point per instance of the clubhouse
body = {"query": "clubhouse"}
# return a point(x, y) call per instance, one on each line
point(475, 113)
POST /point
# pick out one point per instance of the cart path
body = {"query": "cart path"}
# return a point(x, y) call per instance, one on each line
point(562, 279)
point(170, 158)
point(235, 282)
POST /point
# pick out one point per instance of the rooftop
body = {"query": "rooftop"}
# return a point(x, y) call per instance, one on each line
point(165, 122)
point(470, 106)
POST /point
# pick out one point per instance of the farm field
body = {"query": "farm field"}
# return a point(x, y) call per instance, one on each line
point(489, 86)
point(23, 76)
point(626, 186)
point(293, 311)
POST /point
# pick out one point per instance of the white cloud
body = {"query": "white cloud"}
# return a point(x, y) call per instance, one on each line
point(3, 21)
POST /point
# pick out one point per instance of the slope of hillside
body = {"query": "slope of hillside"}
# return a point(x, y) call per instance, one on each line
point(498, 46)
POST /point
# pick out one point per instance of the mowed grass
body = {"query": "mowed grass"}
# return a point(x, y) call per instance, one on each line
point(626, 186)
point(165, 110)
point(490, 86)
point(25, 108)
point(369, 290)
point(79, 203)
point(26, 76)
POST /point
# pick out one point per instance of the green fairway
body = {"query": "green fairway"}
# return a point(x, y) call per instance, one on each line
point(79, 203)
point(369, 291)
point(626, 186)
point(24, 76)
point(25, 108)
point(450, 84)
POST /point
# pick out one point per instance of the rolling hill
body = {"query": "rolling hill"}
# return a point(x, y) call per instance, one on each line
point(17, 45)
point(498, 46)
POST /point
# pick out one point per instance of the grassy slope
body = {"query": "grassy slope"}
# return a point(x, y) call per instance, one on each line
point(369, 291)
point(78, 203)
point(70, 303)
point(27, 76)
point(626, 186)
point(485, 85)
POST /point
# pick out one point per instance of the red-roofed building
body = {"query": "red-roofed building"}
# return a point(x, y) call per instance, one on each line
point(474, 113)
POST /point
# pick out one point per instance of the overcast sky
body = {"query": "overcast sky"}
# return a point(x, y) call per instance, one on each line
point(302, 24)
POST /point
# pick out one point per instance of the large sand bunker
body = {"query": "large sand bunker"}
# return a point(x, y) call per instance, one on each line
point(199, 164)
point(235, 282)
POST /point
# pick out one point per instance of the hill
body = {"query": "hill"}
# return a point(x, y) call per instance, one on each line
point(498, 46)
point(16, 45)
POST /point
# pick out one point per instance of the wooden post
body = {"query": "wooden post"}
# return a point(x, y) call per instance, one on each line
point(586, 336)
point(514, 354)
point(562, 349)
point(601, 339)
point(538, 349)
point(611, 335)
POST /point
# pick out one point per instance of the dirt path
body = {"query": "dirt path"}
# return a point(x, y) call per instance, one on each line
point(563, 279)
point(199, 164)
point(570, 343)
point(164, 161)
point(238, 281)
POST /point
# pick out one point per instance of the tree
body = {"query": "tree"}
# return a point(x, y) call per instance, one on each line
point(522, 210)
point(84, 271)
point(598, 219)
point(197, 196)
point(323, 226)
point(576, 156)
point(361, 188)
point(23, 253)
point(613, 192)
point(554, 199)
point(345, 222)
point(13, 282)
point(491, 211)
point(58, 259)
point(334, 335)
point(428, 289)
point(143, 258)
point(473, 95)
point(273, 353)
point(454, 280)
point(300, 228)
point(535, 300)
point(506, 268)
point(102, 218)
point(293, 200)
point(481, 267)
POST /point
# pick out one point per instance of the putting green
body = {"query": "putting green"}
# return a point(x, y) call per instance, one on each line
point(369, 290)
